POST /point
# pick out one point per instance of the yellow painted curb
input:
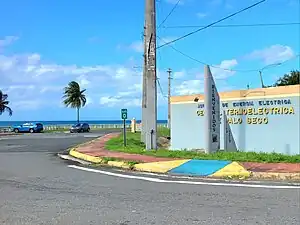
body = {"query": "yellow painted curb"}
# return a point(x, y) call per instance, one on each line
point(159, 167)
point(85, 157)
point(118, 164)
point(276, 176)
point(233, 169)
point(99, 160)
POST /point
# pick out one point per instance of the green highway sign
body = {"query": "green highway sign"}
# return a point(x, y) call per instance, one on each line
point(124, 114)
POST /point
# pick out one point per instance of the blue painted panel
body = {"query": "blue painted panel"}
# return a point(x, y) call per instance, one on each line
point(200, 167)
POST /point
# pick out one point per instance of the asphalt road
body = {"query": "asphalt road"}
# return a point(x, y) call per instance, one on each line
point(36, 187)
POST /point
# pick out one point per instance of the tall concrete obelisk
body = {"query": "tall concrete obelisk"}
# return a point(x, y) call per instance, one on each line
point(211, 113)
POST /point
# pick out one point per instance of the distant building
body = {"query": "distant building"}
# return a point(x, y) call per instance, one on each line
point(264, 119)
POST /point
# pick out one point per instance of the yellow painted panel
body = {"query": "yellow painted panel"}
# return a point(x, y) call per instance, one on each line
point(159, 167)
point(231, 170)
point(272, 92)
point(85, 157)
point(118, 164)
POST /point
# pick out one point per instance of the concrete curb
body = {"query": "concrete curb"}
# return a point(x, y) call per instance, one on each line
point(275, 176)
point(99, 160)
point(232, 170)
point(186, 167)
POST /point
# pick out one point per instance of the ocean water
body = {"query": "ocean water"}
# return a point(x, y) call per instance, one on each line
point(57, 123)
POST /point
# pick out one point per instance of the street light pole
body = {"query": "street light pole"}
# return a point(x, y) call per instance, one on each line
point(261, 79)
point(169, 97)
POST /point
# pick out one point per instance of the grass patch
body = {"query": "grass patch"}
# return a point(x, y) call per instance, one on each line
point(135, 146)
point(163, 131)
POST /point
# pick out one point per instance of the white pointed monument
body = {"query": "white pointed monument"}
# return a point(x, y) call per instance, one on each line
point(211, 113)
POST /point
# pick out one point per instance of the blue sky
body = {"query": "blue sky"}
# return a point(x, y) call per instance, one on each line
point(46, 44)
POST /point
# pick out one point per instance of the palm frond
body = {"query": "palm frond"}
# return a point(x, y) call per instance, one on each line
point(4, 104)
point(9, 110)
point(73, 96)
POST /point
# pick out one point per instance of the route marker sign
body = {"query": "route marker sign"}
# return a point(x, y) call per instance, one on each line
point(124, 117)
point(124, 114)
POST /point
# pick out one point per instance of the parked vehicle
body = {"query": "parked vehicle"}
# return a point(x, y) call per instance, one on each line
point(80, 127)
point(28, 127)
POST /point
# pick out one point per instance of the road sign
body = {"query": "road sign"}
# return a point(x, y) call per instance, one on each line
point(124, 114)
point(124, 117)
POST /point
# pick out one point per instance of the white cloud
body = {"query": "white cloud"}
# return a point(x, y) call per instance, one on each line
point(223, 70)
point(195, 86)
point(7, 40)
point(273, 54)
point(201, 15)
point(112, 101)
point(179, 74)
point(31, 83)
point(89, 101)
point(164, 40)
point(137, 46)
point(83, 81)
point(52, 89)
point(189, 87)
point(27, 104)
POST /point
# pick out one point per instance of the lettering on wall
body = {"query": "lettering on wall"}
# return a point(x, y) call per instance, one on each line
point(213, 111)
point(254, 115)
point(224, 104)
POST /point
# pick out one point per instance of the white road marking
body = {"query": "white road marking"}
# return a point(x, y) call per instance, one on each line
point(91, 136)
point(157, 180)
point(68, 157)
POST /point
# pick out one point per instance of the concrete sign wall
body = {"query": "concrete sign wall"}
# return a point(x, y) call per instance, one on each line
point(229, 144)
point(265, 120)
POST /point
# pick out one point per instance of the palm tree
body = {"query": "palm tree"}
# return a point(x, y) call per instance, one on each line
point(4, 104)
point(74, 97)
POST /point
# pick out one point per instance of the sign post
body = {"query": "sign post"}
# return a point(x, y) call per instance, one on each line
point(124, 117)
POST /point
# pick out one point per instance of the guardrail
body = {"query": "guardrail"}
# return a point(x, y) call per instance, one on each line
point(92, 126)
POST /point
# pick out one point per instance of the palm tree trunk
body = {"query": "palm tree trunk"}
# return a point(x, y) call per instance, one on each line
point(78, 115)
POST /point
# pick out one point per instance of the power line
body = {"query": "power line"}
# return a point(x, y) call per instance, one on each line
point(172, 10)
point(218, 21)
point(235, 25)
point(204, 63)
point(225, 69)
point(160, 88)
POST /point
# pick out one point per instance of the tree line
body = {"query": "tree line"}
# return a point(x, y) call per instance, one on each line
point(74, 97)
point(291, 78)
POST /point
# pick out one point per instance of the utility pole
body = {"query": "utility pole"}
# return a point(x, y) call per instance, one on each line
point(169, 98)
point(144, 87)
point(151, 88)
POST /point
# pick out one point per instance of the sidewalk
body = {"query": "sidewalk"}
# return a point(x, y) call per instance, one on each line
point(95, 152)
